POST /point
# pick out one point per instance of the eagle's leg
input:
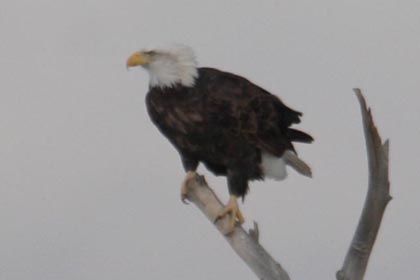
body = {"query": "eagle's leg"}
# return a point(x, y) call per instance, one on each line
point(238, 185)
point(184, 188)
point(235, 215)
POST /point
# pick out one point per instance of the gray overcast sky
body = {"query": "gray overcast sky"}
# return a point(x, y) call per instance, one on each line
point(89, 189)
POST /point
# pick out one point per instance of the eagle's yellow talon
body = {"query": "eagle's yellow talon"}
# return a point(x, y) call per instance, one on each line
point(235, 215)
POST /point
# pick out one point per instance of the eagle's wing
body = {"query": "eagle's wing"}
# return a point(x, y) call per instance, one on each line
point(253, 113)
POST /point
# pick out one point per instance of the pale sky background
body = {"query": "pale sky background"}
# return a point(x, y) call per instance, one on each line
point(89, 189)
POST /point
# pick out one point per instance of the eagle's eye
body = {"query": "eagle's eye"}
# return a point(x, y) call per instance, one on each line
point(150, 53)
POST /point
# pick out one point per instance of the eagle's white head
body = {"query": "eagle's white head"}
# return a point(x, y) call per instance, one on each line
point(167, 66)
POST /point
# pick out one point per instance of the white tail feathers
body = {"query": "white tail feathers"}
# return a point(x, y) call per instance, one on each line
point(291, 159)
point(275, 167)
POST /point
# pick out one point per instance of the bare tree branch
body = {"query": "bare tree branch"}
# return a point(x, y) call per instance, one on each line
point(377, 198)
point(244, 244)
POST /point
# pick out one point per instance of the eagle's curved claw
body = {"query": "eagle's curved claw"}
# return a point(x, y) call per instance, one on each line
point(184, 188)
point(235, 217)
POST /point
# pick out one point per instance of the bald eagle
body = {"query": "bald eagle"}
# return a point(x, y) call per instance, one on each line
point(232, 126)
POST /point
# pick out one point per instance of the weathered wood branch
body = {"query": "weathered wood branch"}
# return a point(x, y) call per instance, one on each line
point(377, 198)
point(245, 244)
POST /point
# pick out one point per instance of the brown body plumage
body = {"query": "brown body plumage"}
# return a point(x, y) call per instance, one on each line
point(224, 121)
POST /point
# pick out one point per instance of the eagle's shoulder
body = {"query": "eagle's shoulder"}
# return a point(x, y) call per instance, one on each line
point(243, 94)
point(243, 108)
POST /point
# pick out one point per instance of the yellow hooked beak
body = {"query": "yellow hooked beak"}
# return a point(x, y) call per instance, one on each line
point(138, 58)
